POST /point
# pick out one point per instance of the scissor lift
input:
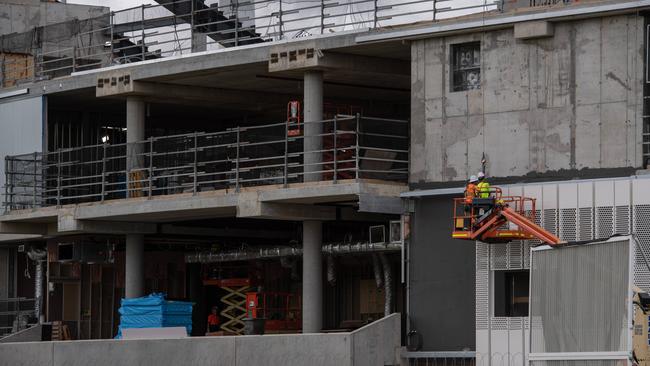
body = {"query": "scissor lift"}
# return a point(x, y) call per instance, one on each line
point(498, 219)
point(234, 302)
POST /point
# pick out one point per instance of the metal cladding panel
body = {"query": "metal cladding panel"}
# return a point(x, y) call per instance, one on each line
point(482, 286)
point(604, 222)
point(564, 283)
point(641, 229)
point(549, 197)
point(567, 195)
point(622, 192)
point(604, 193)
point(641, 191)
point(534, 191)
point(515, 191)
point(585, 194)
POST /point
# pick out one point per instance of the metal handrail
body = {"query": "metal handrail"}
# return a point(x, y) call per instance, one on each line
point(151, 31)
point(196, 162)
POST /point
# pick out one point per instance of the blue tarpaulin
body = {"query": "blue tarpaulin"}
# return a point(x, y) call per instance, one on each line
point(154, 311)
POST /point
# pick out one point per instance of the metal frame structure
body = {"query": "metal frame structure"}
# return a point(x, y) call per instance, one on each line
point(175, 27)
point(197, 162)
point(20, 306)
point(624, 356)
point(471, 223)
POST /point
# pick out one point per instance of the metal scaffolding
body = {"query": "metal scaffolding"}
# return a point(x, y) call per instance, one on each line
point(354, 147)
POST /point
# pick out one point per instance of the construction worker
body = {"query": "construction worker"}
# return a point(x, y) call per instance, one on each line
point(483, 186)
point(471, 192)
point(213, 320)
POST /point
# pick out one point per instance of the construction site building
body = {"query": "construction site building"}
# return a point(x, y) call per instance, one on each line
point(312, 151)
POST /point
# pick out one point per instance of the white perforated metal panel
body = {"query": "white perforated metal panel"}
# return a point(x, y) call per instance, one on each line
point(499, 257)
point(482, 285)
point(642, 232)
point(585, 223)
point(568, 224)
point(604, 222)
point(622, 220)
point(549, 220)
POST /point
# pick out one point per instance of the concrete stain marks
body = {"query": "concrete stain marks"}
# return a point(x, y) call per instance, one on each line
point(612, 76)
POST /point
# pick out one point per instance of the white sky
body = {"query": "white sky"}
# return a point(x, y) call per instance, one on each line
point(113, 4)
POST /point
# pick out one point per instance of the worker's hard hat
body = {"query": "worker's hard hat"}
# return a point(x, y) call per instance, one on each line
point(473, 179)
point(481, 175)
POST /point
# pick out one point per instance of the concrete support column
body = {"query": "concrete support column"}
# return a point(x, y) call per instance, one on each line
point(135, 117)
point(134, 266)
point(199, 42)
point(312, 273)
point(313, 107)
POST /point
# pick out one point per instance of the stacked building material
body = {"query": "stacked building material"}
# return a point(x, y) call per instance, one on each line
point(154, 311)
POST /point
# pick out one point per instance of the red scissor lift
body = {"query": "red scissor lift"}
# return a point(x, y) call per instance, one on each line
point(498, 219)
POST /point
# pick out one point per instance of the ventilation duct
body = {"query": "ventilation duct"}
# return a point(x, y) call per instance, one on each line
point(279, 252)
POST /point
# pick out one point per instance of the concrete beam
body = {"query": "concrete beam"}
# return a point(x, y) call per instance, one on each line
point(68, 224)
point(285, 211)
point(224, 232)
point(185, 94)
point(24, 228)
point(292, 58)
point(535, 29)
point(380, 204)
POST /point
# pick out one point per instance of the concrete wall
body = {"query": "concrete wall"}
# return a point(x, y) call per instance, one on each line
point(571, 101)
point(20, 16)
point(376, 344)
point(441, 279)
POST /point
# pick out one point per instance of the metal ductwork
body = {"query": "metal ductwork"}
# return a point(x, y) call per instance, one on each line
point(38, 256)
point(331, 270)
point(284, 251)
point(376, 267)
point(388, 288)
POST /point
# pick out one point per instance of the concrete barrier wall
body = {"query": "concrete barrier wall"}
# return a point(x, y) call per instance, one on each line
point(375, 344)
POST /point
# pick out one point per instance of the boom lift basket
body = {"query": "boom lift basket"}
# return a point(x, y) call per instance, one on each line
point(498, 219)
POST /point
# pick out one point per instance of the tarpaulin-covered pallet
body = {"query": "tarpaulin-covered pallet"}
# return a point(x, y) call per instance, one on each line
point(154, 311)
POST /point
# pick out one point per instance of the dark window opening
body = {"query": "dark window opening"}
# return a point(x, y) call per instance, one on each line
point(466, 66)
point(511, 293)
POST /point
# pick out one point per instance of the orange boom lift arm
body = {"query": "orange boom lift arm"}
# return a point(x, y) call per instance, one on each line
point(498, 219)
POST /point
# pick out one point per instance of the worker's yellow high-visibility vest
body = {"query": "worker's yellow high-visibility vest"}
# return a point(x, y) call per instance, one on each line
point(484, 189)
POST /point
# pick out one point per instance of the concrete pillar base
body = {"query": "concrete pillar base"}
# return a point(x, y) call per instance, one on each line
point(312, 273)
point(134, 266)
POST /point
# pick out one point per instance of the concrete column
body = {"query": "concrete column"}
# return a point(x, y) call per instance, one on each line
point(134, 266)
point(313, 108)
point(135, 117)
point(199, 42)
point(312, 273)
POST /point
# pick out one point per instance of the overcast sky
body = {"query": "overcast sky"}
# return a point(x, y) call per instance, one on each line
point(113, 4)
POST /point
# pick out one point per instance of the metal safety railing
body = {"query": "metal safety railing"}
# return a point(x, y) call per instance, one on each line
point(344, 147)
point(15, 314)
point(646, 147)
point(175, 27)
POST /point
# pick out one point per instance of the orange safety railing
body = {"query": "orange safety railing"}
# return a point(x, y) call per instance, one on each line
point(469, 213)
point(281, 310)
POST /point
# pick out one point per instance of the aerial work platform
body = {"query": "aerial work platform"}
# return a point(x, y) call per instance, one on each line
point(498, 219)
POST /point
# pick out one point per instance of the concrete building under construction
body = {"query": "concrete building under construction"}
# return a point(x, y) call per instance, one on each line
point(297, 163)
